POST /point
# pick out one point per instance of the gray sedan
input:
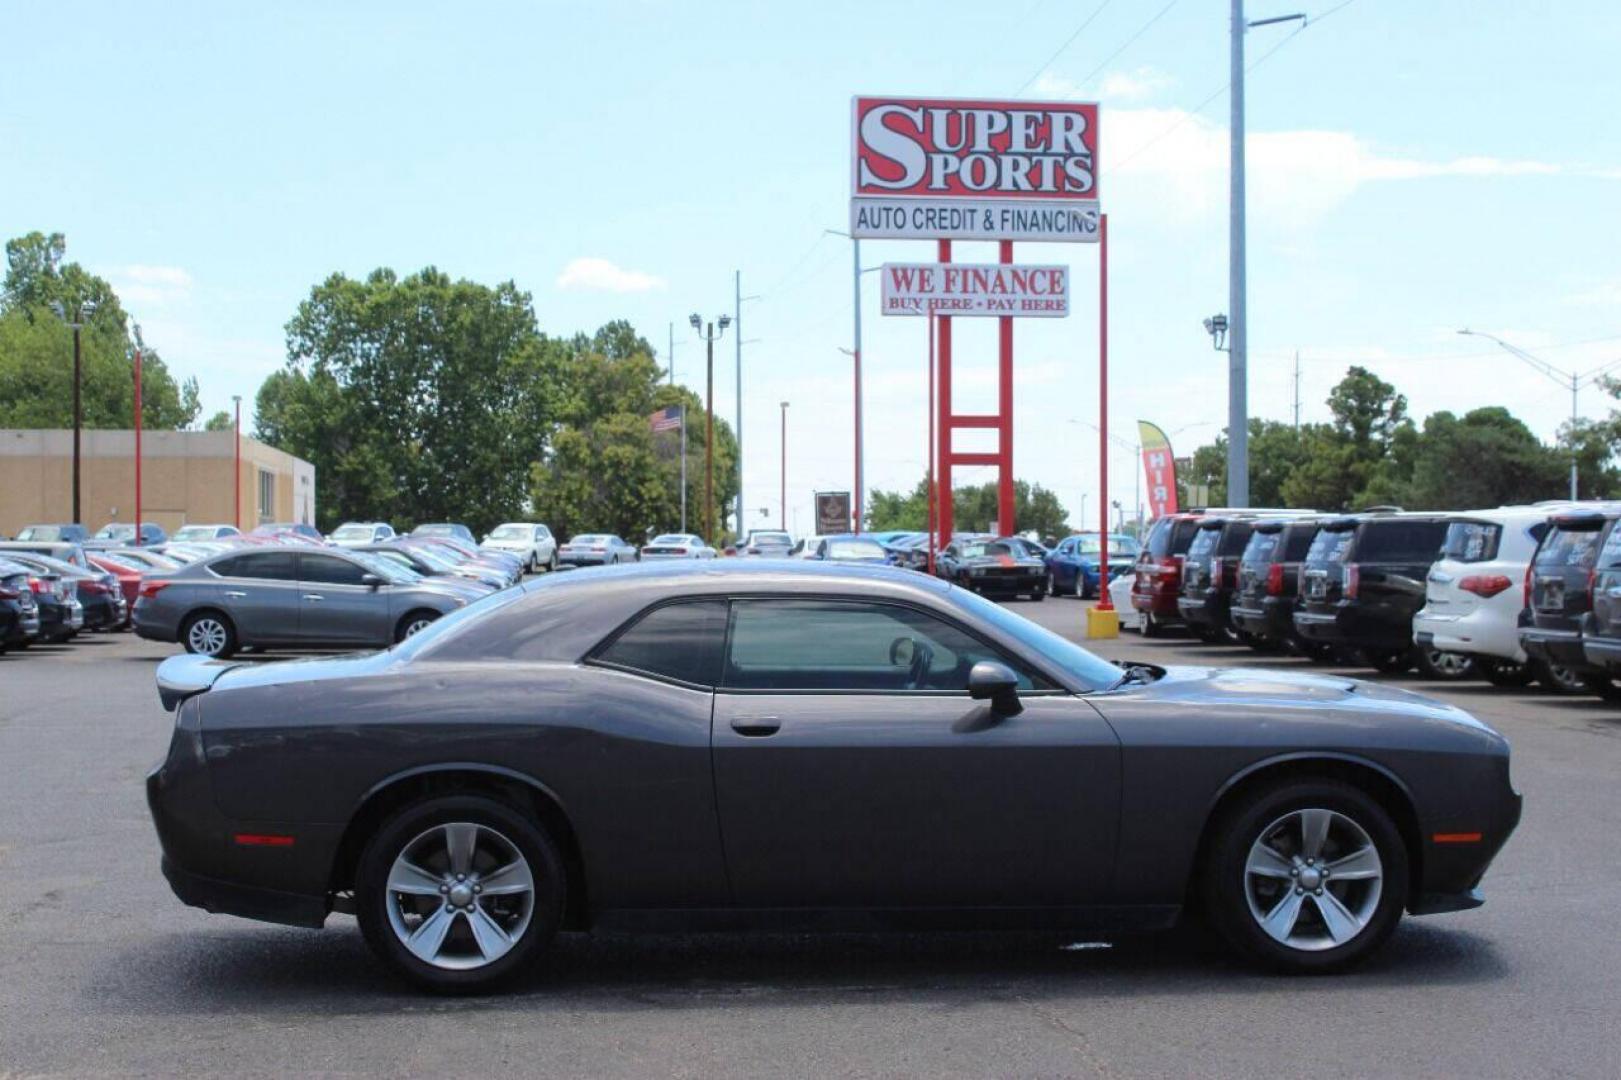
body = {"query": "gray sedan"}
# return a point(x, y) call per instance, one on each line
point(780, 743)
point(266, 597)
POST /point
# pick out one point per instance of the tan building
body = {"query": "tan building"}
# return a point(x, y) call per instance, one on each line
point(185, 478)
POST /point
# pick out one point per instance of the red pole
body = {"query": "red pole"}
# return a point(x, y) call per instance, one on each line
point(137, 444)
point(928, 469)
point(238, 484)
point(943, 504)
point(1104, 603)
point(1004, 408)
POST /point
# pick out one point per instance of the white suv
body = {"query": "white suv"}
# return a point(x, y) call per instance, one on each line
point(531, 542)
point(1475, 591)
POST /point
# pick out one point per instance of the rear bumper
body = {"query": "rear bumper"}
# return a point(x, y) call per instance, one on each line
point(230, 898)
point(1562, 648)
point(1208, 608)
point(1349, 625)
point(1161, 603)
point(1480, 633)
point(1273, 618)
point(1603, 652)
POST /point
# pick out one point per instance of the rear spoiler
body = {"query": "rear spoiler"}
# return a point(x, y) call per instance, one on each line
point(181, 677)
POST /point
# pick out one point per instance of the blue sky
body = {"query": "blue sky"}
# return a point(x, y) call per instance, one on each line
point(1413, 169)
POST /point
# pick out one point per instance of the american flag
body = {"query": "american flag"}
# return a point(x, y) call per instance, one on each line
point(666, 419)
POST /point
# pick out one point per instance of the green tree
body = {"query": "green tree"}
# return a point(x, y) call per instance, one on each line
point(417, 399)
point(1487, 458)
point(36, 349)
point(974, 508)
point(220, 421)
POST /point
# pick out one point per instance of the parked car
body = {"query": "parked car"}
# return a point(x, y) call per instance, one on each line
point(1157, 577)
point(469, 558)
point(142, 559)
point(433, 561)
point(1210, 575)
point(1558, 597)
point(530, 541)
point(1001, 565)
point(19, 611)
point(278, 530)
point(771, 543)
point(128, 577)
point(1127, 615)
point(1601, 629)
point(677, 546)
point(1263, 603)
point(1363, 581)
point(194, 533)
point(1074, 565)
point(61, 615)
point(121, 533)
point(1475, 591)
point(445, 528)
point(848, 548)
point(414, 569)
point(855, 748)
point(360, 533)
point(69, 551)
point(61, 533)
point(97, 591)
point(596, 549)
point(272, 597)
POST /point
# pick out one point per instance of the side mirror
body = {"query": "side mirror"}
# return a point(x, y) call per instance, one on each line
point(996, 683)
point(371, 581)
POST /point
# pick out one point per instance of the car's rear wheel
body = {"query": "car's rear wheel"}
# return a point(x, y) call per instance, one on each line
point(1559, 679)
point(459, 892)
point(208, 633)
point(1052, 583)
point(1387, 661)
point(414, 622)
point(1506, 672)
point(1448, 666)
point(1307, 875)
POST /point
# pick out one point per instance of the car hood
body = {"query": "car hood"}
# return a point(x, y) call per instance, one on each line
point(1256, 689)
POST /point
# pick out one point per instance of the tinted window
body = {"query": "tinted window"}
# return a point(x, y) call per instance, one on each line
point(1182, 535)
point(837, 645)
point(1330, 546)
point(1261, 546)
point(329, 570)
point(1400, 541)
point(1204, 544)
point(677, 641)
point(1158, 543)
point(1569, 547)
point(267, 566)
point(1471, 541)
point(1300, 540)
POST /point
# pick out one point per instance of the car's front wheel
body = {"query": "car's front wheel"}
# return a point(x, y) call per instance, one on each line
point(1450, 666)
point(459, 892)
point(413, 623)
point(1306, 875)
point(209, 633)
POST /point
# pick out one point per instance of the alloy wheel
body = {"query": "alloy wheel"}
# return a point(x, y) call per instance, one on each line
point(207, 636)
point(417, 625)
point(1313, 879)
point(460, 896)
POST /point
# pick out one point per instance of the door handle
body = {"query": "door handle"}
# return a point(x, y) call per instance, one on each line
point(756, 726)
point(313, 596)
point(234, 594)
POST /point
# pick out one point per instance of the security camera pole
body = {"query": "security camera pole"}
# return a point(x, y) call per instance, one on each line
point(710, 335)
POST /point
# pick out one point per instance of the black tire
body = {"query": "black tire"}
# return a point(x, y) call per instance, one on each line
point(1558, 680)
point(1226, 887)
point(1082, 589)
point(1318, 652)
point(1387, 661)
point(1052, 583)
point(551, 564)
point(1506, 672)
point(1448, 667)
point(1603, 685)
point(373, 902)
point(412, 622)
point(203, 619)
point(1039, 595)
point(529, 565)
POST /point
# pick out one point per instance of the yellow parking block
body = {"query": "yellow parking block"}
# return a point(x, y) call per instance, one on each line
point(1101, 623)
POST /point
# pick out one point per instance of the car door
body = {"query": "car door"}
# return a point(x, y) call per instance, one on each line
point(847, 776)
point(259, 591)
point(336, 607)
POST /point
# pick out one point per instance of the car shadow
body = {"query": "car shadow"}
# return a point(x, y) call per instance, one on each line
point(265, 970)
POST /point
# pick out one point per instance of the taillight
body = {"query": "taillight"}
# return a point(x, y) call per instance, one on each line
point(1274, 579)
point(1485, 585)
point(38, 587)
point(1353, 580)
point(150, 589)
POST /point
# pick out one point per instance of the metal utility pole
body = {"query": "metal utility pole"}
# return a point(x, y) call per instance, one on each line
point(237, 398)
point(136, 329)
point(738, 343)
point(76, 320)
point(669, 357)
point(855, 277)
point(710, 335)
point(782, 491)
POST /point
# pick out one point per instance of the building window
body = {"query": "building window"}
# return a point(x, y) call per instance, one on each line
point(267, 495)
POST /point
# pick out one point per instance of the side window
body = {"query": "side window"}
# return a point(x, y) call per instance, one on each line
point(329, 570)
point(681, 641)
point(842, 646)
point(266, 566)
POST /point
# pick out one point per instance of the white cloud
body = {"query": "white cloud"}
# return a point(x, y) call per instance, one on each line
point(604, 276)
point(1604, 294)
point(143, 285)
point(1134, 85)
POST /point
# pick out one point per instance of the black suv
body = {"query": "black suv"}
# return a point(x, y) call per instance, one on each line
point(1263, 604)
point(1363, 581)
point(1209, 575)
point(1559, 596)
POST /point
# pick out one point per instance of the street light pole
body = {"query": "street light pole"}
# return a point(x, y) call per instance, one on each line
point(81, 312)
point(1238, 451)
point(738, 343)
point(709, 335)
point(782, 492)
point(237, 399)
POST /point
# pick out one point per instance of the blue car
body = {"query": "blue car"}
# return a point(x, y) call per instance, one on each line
point(1073, 566)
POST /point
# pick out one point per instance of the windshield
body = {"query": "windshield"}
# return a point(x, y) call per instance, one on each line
point(353, 532)
point(434, 530)
point(433, 558)
point(1095, 672)
point(1204, 544)
point(854, 549)
point(976, 548)
point(1118, 545)
point(115, 532)
point(195, 532)
point(510, 532)
point(387, 569)
point(40, 532)
point(674, 538)
point(772, 538)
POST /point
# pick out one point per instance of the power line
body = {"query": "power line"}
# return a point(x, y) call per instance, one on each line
point(1156, 17)
point(1060, 50)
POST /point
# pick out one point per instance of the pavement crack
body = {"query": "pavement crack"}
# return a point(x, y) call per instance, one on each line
point(1077, 1038)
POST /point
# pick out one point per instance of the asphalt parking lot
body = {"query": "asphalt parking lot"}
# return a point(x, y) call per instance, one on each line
point(102, 971)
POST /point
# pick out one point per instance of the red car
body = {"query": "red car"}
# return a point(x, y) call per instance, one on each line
point(1158, 580)
point(129, 579)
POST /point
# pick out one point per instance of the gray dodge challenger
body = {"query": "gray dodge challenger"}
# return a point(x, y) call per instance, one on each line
point(746, 744)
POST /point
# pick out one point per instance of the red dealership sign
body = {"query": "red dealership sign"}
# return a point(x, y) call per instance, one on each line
point(974, 289)
point(965, 169)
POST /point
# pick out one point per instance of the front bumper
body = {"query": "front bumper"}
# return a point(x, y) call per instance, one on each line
point(1561, 648)
point(1022, 581)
